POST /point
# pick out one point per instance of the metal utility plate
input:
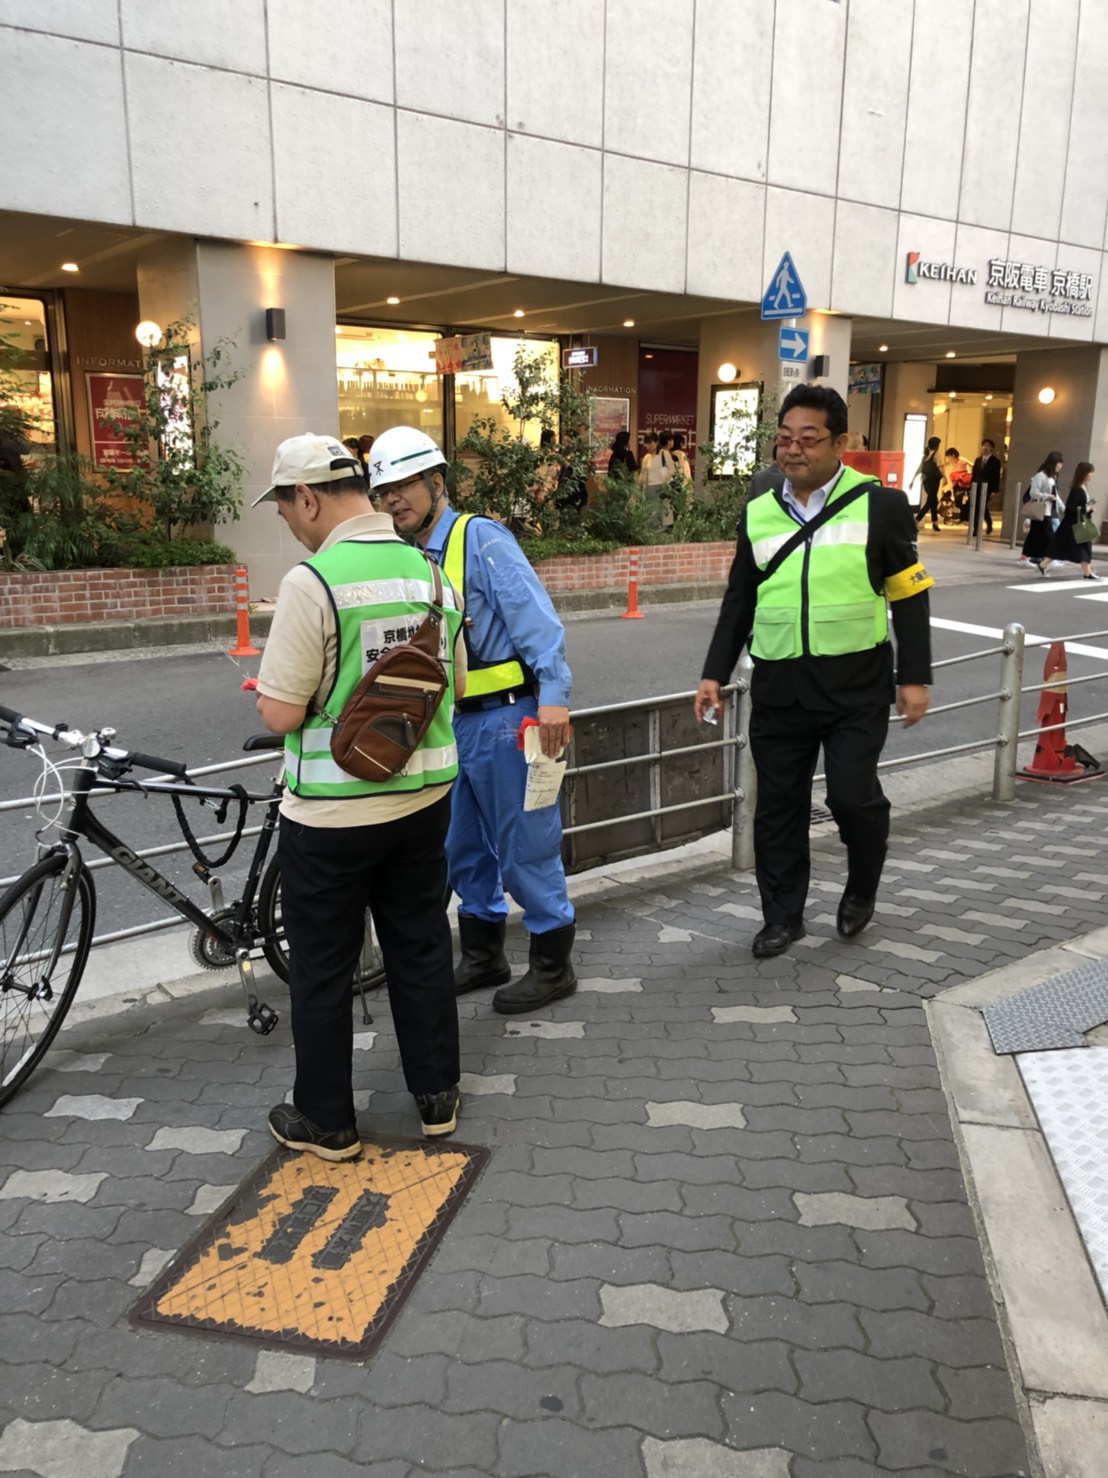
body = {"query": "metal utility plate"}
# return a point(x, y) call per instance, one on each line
point(1052, 1015)
point(314, 1257)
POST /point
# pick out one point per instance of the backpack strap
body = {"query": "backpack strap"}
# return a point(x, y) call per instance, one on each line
point(806, 530)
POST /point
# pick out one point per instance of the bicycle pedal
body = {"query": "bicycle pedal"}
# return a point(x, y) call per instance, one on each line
point(262, 1019)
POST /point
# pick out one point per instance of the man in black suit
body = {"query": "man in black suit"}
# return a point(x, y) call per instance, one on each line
point(986, 473)
point(820, 560)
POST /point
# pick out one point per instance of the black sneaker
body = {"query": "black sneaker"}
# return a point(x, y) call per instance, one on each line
point(438, 1112)
point(292, 1128)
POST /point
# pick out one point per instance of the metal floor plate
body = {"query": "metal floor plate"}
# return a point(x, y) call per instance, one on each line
point(1052, 1015)
point(1070, 1093)
point(315, 1257)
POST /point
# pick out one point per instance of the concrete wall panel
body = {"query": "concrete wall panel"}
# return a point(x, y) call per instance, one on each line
point(450, 58)
point(82, 20)
point(215, 181)
point(975, 247)
point(732, 76)
point(939, 87)
point(206, 31)
point(451, 181)
point(927, 301)
point(49, 165)
point(1086, 262)
point(644, 224)
point(1085, 197)
point(321, 143)
point(344, 46)
point(875, 101)
point(648, 62)
point(993, 113)
point(541, 174)
point(726, 229)
point(568, 103)
point(1038, 253)
point(803, 225)
point(807, 91)
point(1045, 123)
point(864, 263)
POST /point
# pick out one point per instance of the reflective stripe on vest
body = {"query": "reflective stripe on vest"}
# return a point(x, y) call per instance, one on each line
point(819, 602)
point(379, 592)
point(483, 678)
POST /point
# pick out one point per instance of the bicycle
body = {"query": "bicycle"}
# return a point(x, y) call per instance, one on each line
point(47, 915)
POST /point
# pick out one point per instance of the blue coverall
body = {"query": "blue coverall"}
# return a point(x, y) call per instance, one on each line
point(493, 843)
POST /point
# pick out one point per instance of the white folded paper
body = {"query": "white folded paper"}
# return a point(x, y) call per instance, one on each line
point(544, 775)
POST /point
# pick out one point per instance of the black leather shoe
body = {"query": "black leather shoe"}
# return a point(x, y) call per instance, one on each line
point(775, 939)
point(292, 1128)
point(855, 912)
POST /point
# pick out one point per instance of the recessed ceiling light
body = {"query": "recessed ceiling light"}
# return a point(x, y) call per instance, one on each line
point(648, 356)
point(70, 267)
point(392, 301)
point(988, 397)
point(338, 328)
point(518, 313)
point(950, 354)
point(882, 348)
point(629, 323)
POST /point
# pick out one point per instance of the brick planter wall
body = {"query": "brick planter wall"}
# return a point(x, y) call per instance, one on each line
point(73, 597)
point(659, 564)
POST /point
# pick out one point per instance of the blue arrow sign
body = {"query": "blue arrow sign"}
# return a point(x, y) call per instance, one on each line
point(792, 344)
point(785, 296)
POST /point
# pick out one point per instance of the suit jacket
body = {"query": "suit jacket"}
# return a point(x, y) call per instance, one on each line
point(987, 470)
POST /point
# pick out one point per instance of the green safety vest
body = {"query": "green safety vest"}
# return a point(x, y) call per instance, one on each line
point(819, 602)
point(484, 678)
point(379, 592)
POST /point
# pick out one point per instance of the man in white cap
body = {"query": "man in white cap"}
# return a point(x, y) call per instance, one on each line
point(344, 843)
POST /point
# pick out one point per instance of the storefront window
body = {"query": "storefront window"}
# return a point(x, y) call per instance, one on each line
point(480, 392)
point(386, 377)
point(23, 328)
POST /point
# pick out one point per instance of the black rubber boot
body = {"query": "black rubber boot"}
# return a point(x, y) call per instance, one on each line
point(483, 961)
point(549, 977)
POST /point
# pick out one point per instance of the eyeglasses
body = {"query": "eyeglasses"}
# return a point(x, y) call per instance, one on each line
point(396, 488)
point(804, 442)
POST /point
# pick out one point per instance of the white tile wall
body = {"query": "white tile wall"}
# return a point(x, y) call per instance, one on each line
point(937, 99)
point(349, 206)
point(450, 58)
point(803, 225)
point(993, 112)
point(451, 186)
point(648, 60)
point(1039, 253)
point(1045, 121)
point(344, 46)
point(975, 246)
point(875, 101)
point(556, 69)
point(550, 184)
point(925, 301)
point(208, 31)
point(85, 20)
point(726, 229)
point(804, 130)
point(644, 224)
point(215, 181)
point(1086, 181)
point(49, 165)
point(732, 72)
point(865, 259)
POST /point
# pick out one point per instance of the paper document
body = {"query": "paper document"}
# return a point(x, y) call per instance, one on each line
point(544, 775)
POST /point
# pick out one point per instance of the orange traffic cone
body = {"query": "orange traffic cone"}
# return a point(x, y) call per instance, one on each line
point(1055, 760)
point(242, 647)
point(632, 613)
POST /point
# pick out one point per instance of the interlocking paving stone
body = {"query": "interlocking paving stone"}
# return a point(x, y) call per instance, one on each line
point(195, 1140)
point(661, 1308)
point(754, 1014)
point(598, 985)
point(696, 1457)
point(50, 1186)
point(545, 1030)
point(698, 1115)
point(62, 1449)
point(479, 1084)
point(277, 1370)
point(92, 1106)
point(855, 1211)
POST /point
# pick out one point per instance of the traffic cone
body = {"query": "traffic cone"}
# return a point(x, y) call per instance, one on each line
point(632, 613)
point(1055, 761)
point(242, 647)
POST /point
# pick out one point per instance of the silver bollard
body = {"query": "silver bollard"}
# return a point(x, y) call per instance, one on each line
point(1017, 517)
point(1006, 755)
point(746, 780)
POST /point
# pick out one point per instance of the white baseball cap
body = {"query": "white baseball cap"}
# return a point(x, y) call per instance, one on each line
point(310, 459)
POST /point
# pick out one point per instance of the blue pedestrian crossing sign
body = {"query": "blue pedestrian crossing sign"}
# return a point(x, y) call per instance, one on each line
point(785, 296)
point(792, 345)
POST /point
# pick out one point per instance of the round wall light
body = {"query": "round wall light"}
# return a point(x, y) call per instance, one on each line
point(882, 348)
point(70, 267)
point(1046, 395)
point(950, 354)
point(148, 333)
point(727, 372)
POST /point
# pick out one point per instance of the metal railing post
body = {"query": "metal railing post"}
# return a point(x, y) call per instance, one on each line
point(1017, 517)
point(974, 493)
point(654, 745)
point(978, 512)
point(1008, 727)
point(746, 781)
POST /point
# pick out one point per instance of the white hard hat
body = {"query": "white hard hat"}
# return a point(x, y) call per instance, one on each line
point(401, 452)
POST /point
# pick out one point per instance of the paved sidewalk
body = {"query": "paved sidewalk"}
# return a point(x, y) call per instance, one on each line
point(724, 1232)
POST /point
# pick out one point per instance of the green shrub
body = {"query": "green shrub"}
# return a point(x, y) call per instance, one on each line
point(152, 551)
point(552, 546)
point(62, 520)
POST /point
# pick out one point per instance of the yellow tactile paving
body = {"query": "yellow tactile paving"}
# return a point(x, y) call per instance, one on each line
point(312, 1251)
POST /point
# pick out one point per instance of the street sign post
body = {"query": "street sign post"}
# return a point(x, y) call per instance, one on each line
point(792, 345)
point(785, 296)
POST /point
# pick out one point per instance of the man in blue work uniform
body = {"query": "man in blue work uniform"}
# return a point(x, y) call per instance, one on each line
point(517, 669)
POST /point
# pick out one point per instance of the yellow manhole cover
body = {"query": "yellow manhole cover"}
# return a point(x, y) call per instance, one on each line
point(312, 1256)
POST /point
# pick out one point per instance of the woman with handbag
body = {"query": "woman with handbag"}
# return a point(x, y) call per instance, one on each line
point(1038, 508)
point(1077, 532)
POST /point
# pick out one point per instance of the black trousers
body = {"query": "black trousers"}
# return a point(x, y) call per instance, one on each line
point(930, 505)
point(785, 743)
point(328, 876)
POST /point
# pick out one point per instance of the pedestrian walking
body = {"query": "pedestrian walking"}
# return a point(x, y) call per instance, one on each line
point(621, 462)
point(517, 670)
point(929, 474)
point(1077, 532)
point(1040, 508)
point(986, 474)
point(818, 564)
point(344, 843)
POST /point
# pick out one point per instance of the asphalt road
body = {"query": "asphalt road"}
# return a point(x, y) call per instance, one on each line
point(189, 705)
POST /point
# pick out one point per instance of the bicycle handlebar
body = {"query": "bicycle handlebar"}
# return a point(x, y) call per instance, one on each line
point(74, 739)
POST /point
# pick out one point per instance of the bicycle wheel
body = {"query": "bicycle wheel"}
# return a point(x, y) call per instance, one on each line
point(45, 933)
point(371, 969)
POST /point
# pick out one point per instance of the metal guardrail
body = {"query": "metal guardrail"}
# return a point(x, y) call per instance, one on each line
point(729, 794)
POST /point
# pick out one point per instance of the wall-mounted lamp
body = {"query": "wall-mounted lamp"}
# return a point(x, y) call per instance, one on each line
point(727, 372)
point(274, 324)
point(1046, 395)
point(148, 333)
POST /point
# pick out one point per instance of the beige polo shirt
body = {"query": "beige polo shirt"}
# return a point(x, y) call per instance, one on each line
point(298, 666)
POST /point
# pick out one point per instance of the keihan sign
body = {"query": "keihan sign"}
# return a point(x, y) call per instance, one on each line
point(1014, 284)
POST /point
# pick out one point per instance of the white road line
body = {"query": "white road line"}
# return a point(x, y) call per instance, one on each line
point(1048, 587)
point(968, 629)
